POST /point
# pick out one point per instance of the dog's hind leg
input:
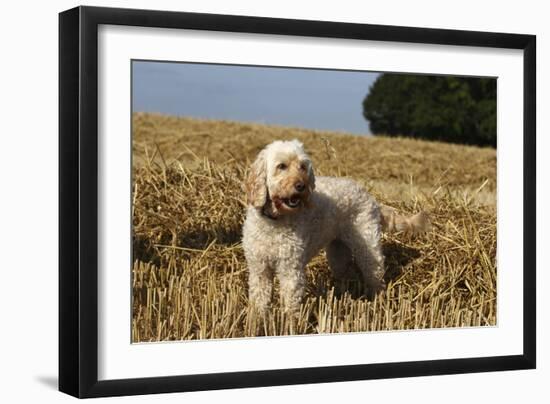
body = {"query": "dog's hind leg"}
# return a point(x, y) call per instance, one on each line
point(363, 240)
point(339, 259)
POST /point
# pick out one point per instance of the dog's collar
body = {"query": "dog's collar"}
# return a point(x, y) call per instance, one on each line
point(267, 213)
point(266, 209)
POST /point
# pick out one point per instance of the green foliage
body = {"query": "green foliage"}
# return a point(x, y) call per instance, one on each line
point(445, 108)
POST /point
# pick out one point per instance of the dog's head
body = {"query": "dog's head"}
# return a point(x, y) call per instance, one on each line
point(281, 179)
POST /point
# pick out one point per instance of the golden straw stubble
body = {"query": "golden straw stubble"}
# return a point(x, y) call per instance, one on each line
point(189, 278)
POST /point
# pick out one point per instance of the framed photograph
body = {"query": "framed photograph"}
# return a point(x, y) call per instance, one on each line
point(250, 201)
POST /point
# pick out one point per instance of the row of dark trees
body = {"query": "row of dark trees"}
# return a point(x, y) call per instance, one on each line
point(444, 108)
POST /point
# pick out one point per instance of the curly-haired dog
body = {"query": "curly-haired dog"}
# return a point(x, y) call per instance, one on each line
point(291, 215)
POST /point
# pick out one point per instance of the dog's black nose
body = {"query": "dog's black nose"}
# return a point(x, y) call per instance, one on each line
point(300, 186)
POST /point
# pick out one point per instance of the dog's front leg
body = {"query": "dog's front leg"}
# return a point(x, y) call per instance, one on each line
point(260, 285)
point(291, 283)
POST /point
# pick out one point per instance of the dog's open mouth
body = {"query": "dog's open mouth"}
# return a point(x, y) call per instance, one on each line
point(292, 202)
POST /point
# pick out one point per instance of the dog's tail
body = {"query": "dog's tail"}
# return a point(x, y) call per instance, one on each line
point(392, 221)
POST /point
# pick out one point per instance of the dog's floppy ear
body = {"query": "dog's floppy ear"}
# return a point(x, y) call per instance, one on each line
point(310, 173)
point(255, 184)
point(311, 176)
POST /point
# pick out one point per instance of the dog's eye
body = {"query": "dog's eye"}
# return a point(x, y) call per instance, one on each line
point(303, 167)
point(281, 166)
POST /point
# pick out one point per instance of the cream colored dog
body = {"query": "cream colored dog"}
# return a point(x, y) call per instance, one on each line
point(292, 215)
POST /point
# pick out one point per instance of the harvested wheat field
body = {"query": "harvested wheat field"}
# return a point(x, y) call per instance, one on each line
point(189, 272)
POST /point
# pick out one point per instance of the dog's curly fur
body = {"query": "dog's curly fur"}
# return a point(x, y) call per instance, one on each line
point(292, 215)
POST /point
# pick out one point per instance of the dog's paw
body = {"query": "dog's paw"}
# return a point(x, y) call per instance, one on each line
point(374, 288)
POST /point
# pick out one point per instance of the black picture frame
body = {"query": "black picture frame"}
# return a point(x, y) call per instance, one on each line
point(78, 201)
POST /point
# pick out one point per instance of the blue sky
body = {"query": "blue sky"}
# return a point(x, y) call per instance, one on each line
point(314, 99)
